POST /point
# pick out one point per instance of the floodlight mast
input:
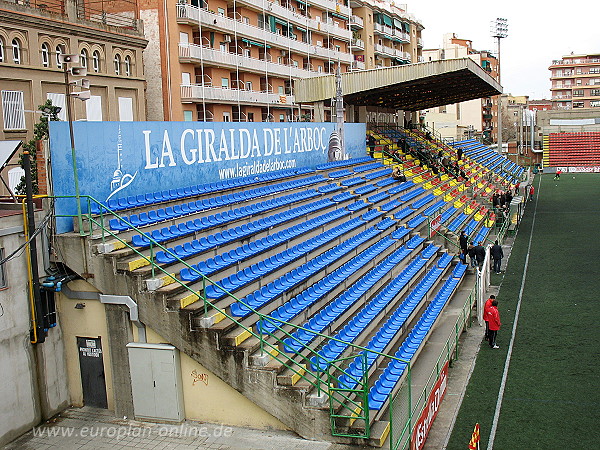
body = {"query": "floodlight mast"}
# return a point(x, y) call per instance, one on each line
point(499, 31)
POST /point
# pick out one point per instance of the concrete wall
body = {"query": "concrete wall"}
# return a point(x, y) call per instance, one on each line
point(87, 322)
point(33, 386)
point(207, 398)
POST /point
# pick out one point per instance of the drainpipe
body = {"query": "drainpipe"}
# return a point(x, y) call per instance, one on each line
point(113, 300)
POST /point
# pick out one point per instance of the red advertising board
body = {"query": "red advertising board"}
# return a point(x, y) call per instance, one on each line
point(435, 225)
point(423, 425)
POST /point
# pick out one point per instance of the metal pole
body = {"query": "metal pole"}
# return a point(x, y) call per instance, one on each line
point(69, 101)
point(499, 104)
point(40, 310)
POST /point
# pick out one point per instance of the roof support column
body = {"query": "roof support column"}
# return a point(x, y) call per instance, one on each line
point(319, 111)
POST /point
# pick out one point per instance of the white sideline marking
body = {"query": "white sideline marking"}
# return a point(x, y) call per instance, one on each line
point(514, 330)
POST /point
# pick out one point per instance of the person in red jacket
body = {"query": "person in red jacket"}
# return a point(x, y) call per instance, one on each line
point(531, 192)
point(486, 312)
point(494, 319)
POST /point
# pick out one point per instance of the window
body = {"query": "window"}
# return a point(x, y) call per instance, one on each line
point(595, 104)
point(280, 90)
point(577, 104)
point(58, 100)
point(3, 281)
point(594, 69)
point(246, 52)
point(117, 62)
point(45, 55)
point(188, 116)
point(13, 110)
point(93, 109)
point(96, 61)
point(595, 92)
point(16, 51)
point(127, 66)
point(578, 93)
point(226, 117)
point(60, 50)
point(221, 12)
point(186, 79)
point(282, 117)
point(83, 58)
point(225, 83)
point(1, 50)
point(248, 85)
point(250, 117)
point(125, 109)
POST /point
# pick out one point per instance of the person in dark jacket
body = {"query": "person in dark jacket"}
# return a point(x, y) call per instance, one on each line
point(471, 253)
point(464, 245)
point(497, 254)
point(371, 143)
point(479, 255)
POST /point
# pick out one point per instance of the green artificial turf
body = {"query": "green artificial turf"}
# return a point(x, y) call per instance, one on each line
point(551, 400)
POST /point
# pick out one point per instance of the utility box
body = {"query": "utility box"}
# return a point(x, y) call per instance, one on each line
point(156, 382)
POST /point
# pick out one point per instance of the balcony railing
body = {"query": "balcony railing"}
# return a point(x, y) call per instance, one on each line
point(228, 25)
point(200, 53)
point(195, 92)
point(357, 21)
point(357, 44)
point(358, 65)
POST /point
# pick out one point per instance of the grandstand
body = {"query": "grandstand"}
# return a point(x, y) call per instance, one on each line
point(572, 149)
point(311, 291)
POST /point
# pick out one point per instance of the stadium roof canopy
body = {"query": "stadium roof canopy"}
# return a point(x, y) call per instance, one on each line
point(409, 87)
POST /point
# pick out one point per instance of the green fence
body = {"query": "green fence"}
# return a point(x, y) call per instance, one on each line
point(403, 407)
point(349, 409)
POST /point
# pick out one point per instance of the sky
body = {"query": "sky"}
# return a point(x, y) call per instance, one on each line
point(539, 31)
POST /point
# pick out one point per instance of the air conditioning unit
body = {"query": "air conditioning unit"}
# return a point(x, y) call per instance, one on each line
point(319, 43)
point(227, 38)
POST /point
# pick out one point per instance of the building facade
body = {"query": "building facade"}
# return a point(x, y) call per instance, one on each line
point(33, 36)
point(213, 60)
point(575, 82)
point(474, 118)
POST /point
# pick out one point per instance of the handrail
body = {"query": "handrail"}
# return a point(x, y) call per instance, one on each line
point(272, 349)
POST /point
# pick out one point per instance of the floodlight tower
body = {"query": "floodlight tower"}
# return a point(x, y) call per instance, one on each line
point(499, 31)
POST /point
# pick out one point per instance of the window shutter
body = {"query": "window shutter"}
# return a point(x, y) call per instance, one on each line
point(13, 110)
point(93, 109)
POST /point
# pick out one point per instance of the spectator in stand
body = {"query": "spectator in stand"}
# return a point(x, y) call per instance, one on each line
point(496, 200)
point(463, 243)
point(486, 312)
point(479, 255)
point(508, 197)
point(557, 175)
point(531, 192)
point(371, 142)
point(397, 174)
point(471, 253)
point(502, 199)
point(497, 254)
point(517, 188)
point(494, 320)
point(459, 153)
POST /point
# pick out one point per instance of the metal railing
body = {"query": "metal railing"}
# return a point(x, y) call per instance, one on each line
point(401, 428)
point(325, 380)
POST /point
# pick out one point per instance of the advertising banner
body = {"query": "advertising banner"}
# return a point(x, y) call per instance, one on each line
point(423, 425)
point(120, 159)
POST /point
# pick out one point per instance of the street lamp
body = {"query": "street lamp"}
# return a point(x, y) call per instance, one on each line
point(74, 71)
point(499, 31)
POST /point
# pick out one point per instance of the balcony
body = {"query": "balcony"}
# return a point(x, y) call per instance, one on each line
point(357, 44)
point(197, 93)
point(561, 97)
point(193, 16)
point(420, 42)
point(357, 65)
point(404, 37)
point(356, 22)
point(199, 53)
point(383, 29)
point(332, 5)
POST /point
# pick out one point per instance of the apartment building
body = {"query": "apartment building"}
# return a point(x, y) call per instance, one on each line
point(217, 60)
point(477, 117)
point(575, 81)
point(33, 35)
